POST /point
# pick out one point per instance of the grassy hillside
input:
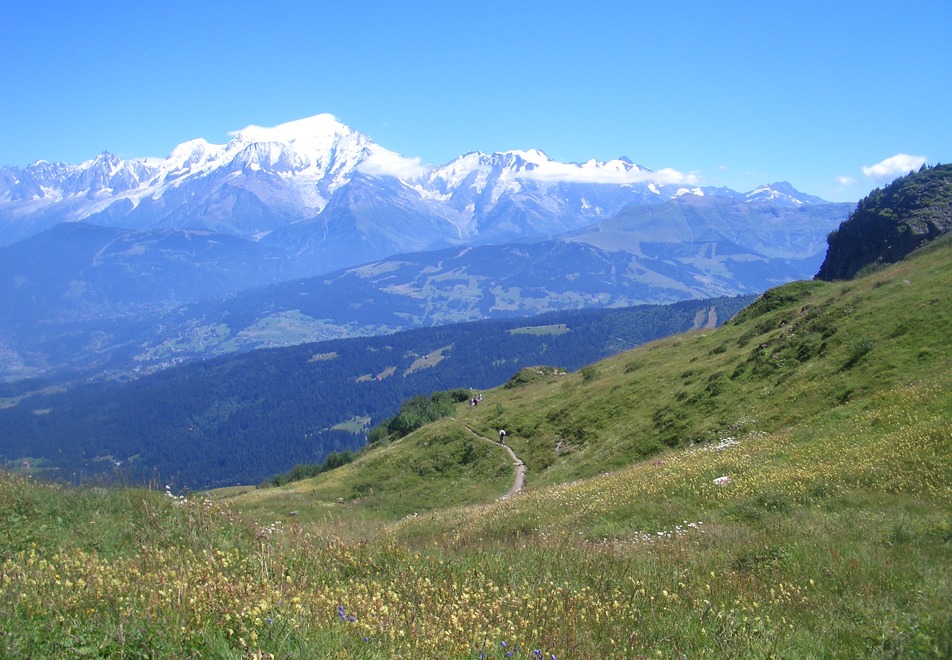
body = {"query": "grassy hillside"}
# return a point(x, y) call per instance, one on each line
point(241, 419)
point(777, 487)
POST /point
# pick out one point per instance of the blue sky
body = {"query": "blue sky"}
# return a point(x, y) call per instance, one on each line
point(734, 93)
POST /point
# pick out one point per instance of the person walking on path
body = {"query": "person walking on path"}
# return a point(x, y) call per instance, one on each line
point(520, 475)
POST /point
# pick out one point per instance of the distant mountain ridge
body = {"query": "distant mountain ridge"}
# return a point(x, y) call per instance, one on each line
point(330, 194)
point(76, 269)
point(117, 264)
point(115, 299)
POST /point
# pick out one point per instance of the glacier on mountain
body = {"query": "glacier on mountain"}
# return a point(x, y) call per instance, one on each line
point(318, 182)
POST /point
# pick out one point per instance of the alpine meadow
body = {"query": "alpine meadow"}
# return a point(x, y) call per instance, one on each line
point(779, 486)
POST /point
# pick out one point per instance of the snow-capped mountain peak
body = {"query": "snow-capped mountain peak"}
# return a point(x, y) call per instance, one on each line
point(191, 155)
point(524, 157)
point(781, 193)
point(319, 133)
point(511, 170)
point(269, 178)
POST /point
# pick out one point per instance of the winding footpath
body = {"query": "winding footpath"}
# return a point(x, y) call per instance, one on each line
point(520, 476)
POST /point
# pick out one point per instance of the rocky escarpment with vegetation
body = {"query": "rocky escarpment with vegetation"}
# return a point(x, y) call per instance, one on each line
point(891, 222)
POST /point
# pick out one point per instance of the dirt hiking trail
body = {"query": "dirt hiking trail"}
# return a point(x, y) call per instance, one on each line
point(520, 472)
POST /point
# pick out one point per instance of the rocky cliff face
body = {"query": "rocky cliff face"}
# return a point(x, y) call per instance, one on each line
point(891, 222)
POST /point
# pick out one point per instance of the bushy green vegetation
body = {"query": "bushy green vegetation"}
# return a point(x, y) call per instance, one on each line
point(779, 487)
point(307, 470)
point(415, 413)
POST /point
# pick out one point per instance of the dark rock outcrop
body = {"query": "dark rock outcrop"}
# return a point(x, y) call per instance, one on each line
point(891, 222)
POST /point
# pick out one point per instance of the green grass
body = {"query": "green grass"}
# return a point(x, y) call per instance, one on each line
point(354, 425)
point(827, 406)
point(441, 465)
point(286, 328)
point(198, 338)
point(14, 401)
point(553, 329)
point(431, 359)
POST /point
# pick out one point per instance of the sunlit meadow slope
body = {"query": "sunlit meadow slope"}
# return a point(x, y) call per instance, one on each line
point(777, 487)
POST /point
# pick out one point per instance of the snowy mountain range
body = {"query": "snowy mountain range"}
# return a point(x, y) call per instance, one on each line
point(310, 230)
point(334, 198)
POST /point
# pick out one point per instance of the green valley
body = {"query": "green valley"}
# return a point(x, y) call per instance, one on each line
point(775, 487)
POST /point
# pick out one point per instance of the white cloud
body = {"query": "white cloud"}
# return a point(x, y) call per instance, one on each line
point(613, 172)
point(388, 163)
point(894, 166)
point(845, 180)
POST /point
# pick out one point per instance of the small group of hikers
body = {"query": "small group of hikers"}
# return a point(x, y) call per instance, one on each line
point(475, 402)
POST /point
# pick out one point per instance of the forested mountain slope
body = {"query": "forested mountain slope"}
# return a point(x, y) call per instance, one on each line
point(240, 419)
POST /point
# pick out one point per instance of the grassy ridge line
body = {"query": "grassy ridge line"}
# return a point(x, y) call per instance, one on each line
point(895, 444)
point(441, 465)
point(804, 354)
point(799, 352)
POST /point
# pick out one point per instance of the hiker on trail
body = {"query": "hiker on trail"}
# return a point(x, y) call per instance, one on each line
point(502, 436)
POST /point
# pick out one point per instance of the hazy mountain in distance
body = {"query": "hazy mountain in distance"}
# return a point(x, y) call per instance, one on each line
point(333, 198)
